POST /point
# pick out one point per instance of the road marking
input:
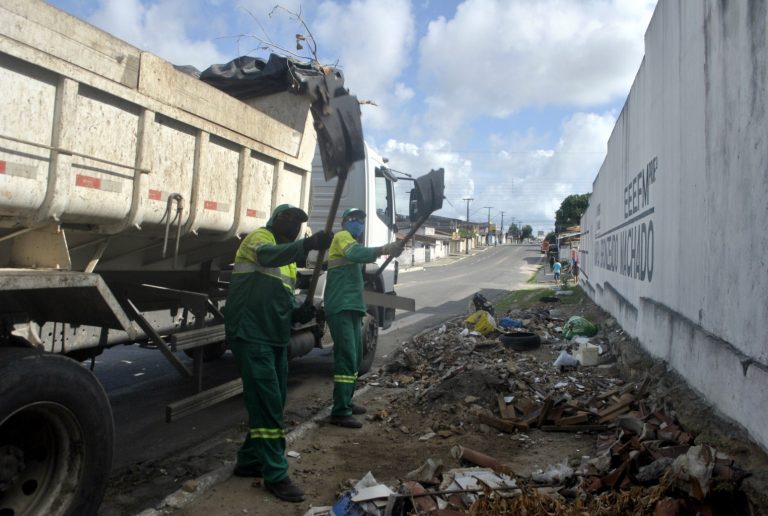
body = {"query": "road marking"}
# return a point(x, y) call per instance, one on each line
point(405, 321)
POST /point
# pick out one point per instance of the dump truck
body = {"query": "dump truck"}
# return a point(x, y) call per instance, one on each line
point(125, 188)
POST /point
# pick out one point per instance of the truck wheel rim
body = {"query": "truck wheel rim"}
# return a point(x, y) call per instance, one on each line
point(50, 441)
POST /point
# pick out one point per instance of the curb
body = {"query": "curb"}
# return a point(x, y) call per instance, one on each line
point(437, 263)
point(411, 269)
point(180, 498)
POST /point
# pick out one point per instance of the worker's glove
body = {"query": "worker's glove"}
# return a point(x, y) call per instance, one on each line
point(303, 314)
point(319, 241)
point(393, 249)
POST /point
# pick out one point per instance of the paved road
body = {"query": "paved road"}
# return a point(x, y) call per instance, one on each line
point(140, 383)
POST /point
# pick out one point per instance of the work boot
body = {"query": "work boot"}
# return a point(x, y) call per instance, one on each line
point(345, 421)
point(286, 490)
point(358, 410)
point(252, 470)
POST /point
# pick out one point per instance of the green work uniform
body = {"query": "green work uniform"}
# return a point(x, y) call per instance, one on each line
point(345, 309)
point(257, 318)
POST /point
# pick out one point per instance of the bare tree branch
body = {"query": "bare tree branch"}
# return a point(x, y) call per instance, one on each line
point(309, 38)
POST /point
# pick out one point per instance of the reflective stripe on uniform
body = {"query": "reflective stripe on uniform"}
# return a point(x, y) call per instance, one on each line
point(345, 378)
point(342, 261)
point(267, 433)
point(248, 267)
point(339, 262)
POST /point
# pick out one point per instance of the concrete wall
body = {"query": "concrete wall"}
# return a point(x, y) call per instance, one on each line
point(675, 244)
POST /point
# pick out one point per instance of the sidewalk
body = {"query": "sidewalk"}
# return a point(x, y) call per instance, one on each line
point(441, 262)
point(545, 275)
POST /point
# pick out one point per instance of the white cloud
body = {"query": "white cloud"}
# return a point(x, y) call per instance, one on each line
point(530, 183)
point(418, 160)
point(495, 57)
point(527, 182)
point(161, 28)
point(403, 92)
point(371, 40)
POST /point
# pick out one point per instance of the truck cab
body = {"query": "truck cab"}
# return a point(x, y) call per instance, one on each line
point(369, 186)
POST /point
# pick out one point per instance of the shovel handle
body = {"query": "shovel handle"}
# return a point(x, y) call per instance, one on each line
point(340, 180)
point(408, 236)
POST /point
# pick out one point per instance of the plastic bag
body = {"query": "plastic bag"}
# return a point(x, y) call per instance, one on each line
point(481, 303)
point(482, 322)
point(508, 322)
point(565, 359)
point(577, 325)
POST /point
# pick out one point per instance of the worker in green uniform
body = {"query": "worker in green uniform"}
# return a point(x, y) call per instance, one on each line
point(258, 316)
point(344, 310)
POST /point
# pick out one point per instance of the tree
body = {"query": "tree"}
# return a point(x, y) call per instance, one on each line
point(550, 237)
point(570, 212)
point(513, 231)
point(527, 232)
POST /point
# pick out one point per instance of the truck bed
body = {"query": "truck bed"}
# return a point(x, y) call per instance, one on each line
point(96, 136)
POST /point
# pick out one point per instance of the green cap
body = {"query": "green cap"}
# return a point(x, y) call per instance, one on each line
point(287, 207)
point(350, 211)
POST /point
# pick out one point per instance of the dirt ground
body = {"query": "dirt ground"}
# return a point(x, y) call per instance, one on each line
point(332, 458)
point(421, 411)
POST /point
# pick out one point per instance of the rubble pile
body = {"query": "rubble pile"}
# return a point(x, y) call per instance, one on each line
point(484, 486)
point(461, 381)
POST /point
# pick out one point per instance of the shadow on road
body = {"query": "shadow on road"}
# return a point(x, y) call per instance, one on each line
point(531, 260)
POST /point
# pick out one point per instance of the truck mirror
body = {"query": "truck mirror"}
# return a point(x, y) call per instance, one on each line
point(427, 195)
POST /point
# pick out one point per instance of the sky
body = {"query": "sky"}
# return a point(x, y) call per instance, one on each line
point(515, 99)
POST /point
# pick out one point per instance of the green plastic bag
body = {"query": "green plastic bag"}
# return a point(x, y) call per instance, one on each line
point(578, 326)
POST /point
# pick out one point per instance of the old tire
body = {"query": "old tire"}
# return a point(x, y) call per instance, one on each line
point(211, 352)
point(56, 435)
point(521, 341)
point(370, 339)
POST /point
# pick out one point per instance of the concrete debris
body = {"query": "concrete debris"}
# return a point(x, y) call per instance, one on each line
point(554, 475)
point(190, 486)
point(461, 383)
point(427, 473)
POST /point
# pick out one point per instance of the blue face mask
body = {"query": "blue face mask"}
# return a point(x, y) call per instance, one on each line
point(355, 227)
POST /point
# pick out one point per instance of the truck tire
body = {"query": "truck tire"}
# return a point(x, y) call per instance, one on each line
point(521, 341)
point(56, 435)
point(370, 339)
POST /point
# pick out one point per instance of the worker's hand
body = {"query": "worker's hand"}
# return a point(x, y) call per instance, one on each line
point(303, 314)
point(319, 241)
point(393, 249)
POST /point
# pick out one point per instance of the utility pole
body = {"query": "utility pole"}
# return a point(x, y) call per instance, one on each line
point(488, 231)
point(501, 230)
point(467, 199)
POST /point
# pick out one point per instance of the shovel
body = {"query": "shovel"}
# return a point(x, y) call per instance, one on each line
point(340, 139)
point(426, 197)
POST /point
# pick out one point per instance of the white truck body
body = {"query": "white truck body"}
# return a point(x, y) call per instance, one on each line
point(367, 188)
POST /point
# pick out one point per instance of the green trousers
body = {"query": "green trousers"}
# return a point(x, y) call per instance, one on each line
point(346, 332)
point(264, 370)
